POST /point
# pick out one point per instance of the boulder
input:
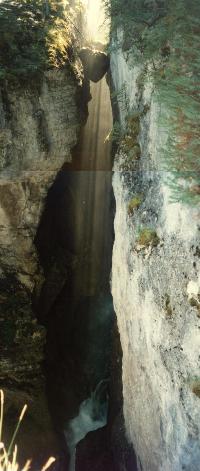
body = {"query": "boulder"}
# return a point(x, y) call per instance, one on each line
point(95, 63)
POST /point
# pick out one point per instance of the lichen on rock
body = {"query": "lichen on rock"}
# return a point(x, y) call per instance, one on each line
point(155, 289)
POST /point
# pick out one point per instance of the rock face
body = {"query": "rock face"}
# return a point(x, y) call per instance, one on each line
point(94, 452)
point(155, 282)
point(39, 124)
point(107, 449)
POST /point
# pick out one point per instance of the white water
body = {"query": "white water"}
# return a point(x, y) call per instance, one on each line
point(92, 416)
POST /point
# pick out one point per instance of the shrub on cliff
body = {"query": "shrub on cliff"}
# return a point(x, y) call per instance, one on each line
point(35, 35)
point(163, 36)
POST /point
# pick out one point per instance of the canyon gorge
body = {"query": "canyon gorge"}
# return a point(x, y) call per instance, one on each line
point(100, 233)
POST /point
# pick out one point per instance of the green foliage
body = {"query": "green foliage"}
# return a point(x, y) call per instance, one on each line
point(195, 386)
point(134, 203)
point(121, 97)
point(178, 93)
point(34, 35)
point(148, 237)
point(195, 303)
point(134, 18)
point(168, 308)
point(164, 38)
point(129, 143)
point(117, 133)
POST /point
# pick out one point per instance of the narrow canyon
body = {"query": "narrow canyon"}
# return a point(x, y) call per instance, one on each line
point(100, 234)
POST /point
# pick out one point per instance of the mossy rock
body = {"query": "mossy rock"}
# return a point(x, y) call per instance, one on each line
point(168, 308)
point(196, 388)
point(146, 109)
point(128, 165)
point(131, 147)
point(128, 143)
point(148, 237)
point(195, 303)
point(135, 152)
point(134, 203)
point(133, 123)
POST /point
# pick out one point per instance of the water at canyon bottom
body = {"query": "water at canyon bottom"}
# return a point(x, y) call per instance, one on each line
point(91, 188)
point(92, 416)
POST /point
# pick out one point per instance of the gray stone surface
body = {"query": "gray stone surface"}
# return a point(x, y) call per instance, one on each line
point(39, 126)
point(156, 291)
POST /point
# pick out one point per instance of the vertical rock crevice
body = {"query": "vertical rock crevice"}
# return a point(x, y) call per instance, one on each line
point(74, 240)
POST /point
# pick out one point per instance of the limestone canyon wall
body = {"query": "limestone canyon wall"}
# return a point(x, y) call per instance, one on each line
point(39, 125)
point(156, 268)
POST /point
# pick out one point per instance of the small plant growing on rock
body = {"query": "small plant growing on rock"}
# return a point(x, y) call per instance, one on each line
point(195, 303)
point(134, 203)
point(168, 307)
point(130, 143)
point(196, 389)
point(148, 237)
point(195, 386)
point(131, 147)
point(133, 124)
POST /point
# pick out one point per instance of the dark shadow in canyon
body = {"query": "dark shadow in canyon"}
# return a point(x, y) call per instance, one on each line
point(74, 243)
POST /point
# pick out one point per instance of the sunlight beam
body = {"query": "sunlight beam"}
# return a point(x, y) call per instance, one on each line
point(97, 26)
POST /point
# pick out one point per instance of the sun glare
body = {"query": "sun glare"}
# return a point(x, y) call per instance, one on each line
point(98, 28)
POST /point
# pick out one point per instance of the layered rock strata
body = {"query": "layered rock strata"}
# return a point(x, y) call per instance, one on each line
point(39, 125)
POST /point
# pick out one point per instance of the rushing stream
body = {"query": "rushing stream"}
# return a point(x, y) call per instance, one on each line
point(92, 416)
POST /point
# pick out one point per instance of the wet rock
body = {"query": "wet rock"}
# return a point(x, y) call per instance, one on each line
point(95, 63)
point(101, 451)
point(93, 452)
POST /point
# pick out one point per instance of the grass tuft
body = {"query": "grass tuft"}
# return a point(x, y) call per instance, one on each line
point(8, 457)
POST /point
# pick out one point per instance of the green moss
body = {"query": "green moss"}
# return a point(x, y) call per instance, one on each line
point(168, 308)
point(136, 152)
point(35, 36)
point(134, 203)
point(195, 303)
point(131, 147)
point(148, 237)
point(129, 142)
point(133, 123)
point(163, 37)
point(196, 388)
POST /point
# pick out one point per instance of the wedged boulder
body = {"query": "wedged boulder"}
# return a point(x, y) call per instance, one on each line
point(95, 63)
